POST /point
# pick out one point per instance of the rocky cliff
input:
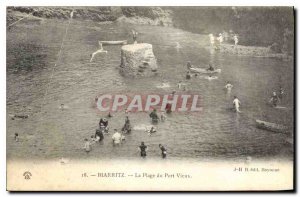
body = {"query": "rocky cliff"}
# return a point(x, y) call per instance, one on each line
point(135, 15)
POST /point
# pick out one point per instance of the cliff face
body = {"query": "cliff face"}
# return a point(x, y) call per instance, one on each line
point(135, 15)
point(256, 26)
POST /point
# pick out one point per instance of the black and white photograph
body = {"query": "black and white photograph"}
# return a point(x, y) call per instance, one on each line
point(150, 98)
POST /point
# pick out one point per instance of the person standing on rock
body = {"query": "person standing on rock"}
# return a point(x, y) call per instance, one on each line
point(134, 36)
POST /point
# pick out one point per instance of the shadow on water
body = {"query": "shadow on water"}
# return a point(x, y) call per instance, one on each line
point(26, 57)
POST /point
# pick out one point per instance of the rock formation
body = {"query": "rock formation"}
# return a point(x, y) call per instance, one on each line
point(138, 60)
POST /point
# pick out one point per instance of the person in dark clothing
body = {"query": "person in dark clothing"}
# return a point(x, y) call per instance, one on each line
point(188, 65)
point(210, 67)
point(143, 149)
point(188, 75)
point(99, 135)
point(104, 123)
point(127, 126)
point(168, 108)
point(154, 116)
point(163, 151)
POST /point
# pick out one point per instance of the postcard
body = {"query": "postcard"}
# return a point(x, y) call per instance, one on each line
point(113, 98)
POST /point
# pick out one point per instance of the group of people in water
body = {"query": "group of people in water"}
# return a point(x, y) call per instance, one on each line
point(224, 37)
point(274, 100)
point(119, 137)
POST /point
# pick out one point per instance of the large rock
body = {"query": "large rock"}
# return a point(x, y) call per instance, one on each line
point(138, 60)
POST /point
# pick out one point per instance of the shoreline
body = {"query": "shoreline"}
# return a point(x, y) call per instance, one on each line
point(251, 51)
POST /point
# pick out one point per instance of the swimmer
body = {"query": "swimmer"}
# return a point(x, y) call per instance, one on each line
point(127, 126)
point(211, 77)
point(228, 86)
point(116, 138)
point(220, 38)
point(16, 137)
point(236, 39)
point(153, 115)
point(143, 149)
point(99, 135)
point(109, 115)
point(152, 130)
point(62, 107)
point(274, 99)
point(179, 84)
point(188, 75)
point(281, 93)
point(87, 146)
point(100, 50)
point(178, 46)
point(236, 104)
point(163, 116)
point(163, 151)
point(93, 140)
point(103, 124)
point(212, 39)
point(189, 65)
point(210, 68)
point(126, 111)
